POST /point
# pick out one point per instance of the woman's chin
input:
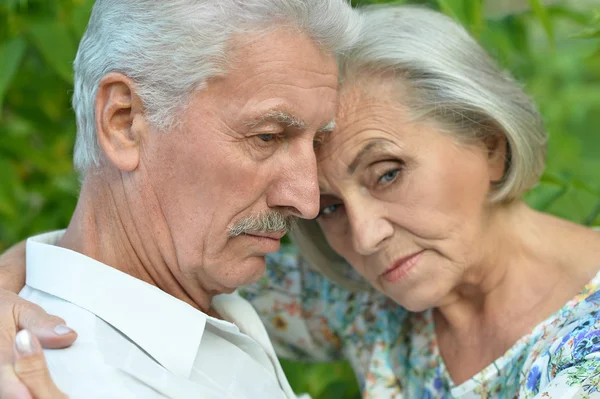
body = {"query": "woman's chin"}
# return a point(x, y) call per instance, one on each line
point(413, 300)
point(414, 306)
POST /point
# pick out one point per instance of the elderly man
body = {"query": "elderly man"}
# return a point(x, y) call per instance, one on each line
point(196, 125)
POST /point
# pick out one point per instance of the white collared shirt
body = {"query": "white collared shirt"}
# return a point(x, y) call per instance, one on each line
point(136, 341)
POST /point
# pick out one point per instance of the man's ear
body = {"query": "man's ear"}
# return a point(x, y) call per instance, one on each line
point(497, 152)
point(120, 123)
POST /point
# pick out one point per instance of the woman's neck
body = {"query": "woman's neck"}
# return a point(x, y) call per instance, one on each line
point(531, 265)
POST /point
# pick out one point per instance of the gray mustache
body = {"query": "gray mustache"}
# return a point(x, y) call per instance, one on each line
point(270, 222)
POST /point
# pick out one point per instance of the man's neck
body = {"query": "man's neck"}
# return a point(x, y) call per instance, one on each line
point(106, 227)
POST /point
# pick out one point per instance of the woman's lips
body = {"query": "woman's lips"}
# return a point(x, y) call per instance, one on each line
point(401, 267)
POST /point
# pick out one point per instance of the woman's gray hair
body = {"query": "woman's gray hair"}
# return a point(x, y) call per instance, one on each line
point(442, 76)
point(171, 48)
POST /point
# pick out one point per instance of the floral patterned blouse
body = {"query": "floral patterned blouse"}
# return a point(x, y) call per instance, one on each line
point(394, 353)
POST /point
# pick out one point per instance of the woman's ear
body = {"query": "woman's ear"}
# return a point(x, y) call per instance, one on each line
point(497, 152)
point(118, 113)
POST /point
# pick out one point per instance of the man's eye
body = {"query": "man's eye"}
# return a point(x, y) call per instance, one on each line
point(266, 137)
point(389, 176)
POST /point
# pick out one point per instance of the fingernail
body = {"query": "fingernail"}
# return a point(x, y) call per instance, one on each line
point(61, 329)
point(25, 344)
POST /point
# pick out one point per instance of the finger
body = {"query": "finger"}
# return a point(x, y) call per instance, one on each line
point(15, 312)
point(52, 331)
point(30, 366)
point(10, 385)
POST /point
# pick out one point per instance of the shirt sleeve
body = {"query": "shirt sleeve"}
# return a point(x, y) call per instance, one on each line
point(294, 303)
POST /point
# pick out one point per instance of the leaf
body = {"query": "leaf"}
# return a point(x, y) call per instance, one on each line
point(573, 15)
point(454, 9)
point(80, 16)
point(335, 389)
point(476, 17)
point(590, 33)
point(591, 218)
point(56, 45)
point(10, 182)
point(578, 184)
point(542, 14)
point(542, 196)
point(11, 54)
point(548, 178)
point(468, 12)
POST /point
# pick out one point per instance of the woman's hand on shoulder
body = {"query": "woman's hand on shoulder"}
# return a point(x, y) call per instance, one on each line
point(23, 370)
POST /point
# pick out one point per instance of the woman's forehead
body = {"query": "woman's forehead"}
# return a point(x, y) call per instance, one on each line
point(363, 119)
point(370, 97)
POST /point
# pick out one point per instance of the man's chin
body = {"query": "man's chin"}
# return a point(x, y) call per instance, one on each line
point(256, 266)
point(249, 271)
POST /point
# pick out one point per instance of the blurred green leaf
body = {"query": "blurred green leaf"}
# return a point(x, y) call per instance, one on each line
point(454, 9)
point(591, 218)
point(476, 17)
point(334, 390)
point(570, 14)
point(542, 14)
point(549, 178)
point(11, 54)
point(54, 42)
point(80, 16)
point(38, 187)
point(544, 195)
point(590, 33)
point(10, 181)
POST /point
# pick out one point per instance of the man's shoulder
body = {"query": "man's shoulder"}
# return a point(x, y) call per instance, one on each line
point(104, 363)
point(76, 317)
point(90, 367)
point(50, 238)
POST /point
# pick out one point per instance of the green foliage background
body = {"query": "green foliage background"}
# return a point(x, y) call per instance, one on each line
point(553, 49)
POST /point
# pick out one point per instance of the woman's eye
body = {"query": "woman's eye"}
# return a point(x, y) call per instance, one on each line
point(329, 209)
point(389, 176)
point(266, 137)
point(317, 142)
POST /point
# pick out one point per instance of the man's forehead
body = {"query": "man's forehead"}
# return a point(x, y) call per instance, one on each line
point(282, 78)
point(280, 63)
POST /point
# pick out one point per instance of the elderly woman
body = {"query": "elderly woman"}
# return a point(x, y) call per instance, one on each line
point(456, 287)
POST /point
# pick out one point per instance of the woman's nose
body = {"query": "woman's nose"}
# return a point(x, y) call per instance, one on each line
point(369, 227)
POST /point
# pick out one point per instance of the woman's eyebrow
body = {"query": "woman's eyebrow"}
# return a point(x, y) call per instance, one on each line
point(372, 145)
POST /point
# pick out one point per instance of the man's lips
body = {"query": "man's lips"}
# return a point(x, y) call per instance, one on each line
point(272, 236)
point(401, 267)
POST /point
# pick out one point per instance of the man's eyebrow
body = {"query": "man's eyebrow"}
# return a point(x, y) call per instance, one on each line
point(372, 145)
point(281, 117)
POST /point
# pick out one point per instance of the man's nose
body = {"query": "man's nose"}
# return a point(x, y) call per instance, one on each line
point(368, 226)
point(298, 188)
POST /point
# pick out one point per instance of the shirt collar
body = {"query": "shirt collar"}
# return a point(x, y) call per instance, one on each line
point(167, 328)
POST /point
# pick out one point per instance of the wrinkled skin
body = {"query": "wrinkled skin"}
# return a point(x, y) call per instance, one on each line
point(228, 160)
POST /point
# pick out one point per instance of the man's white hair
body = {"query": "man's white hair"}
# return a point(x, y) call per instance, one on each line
point(171, 48)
